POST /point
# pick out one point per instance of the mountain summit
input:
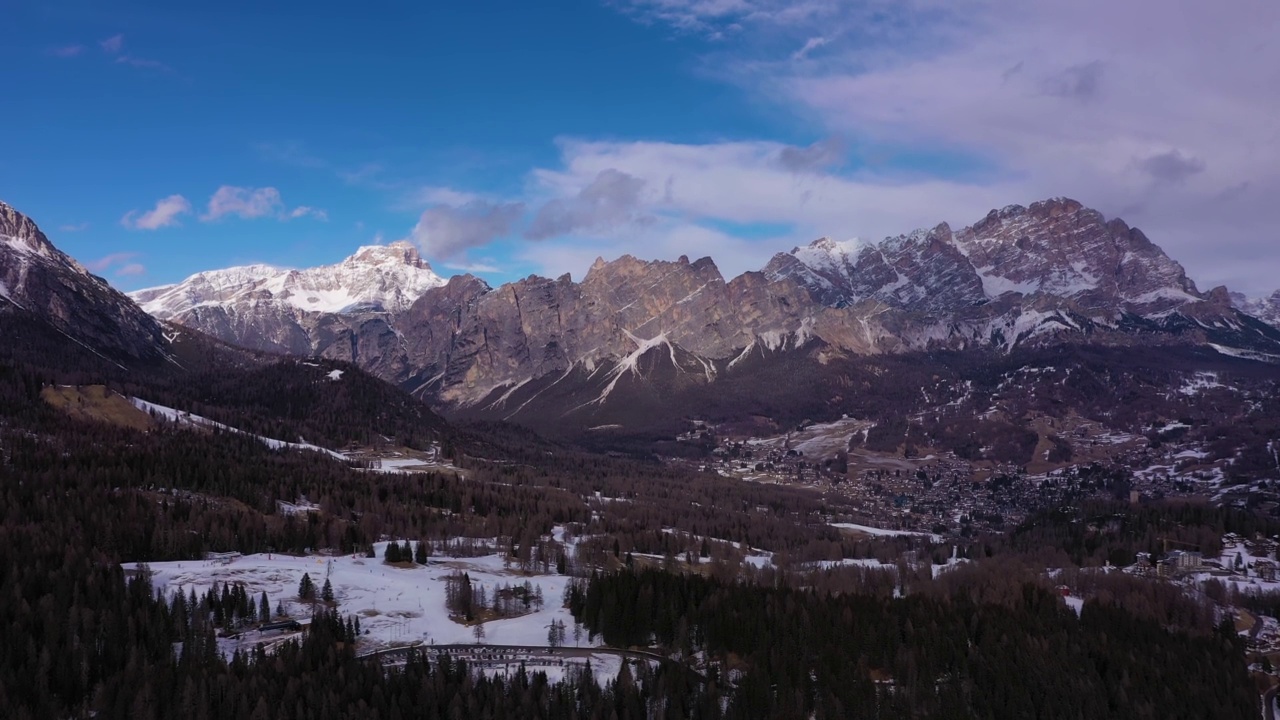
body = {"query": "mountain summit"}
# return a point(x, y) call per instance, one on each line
point(377, 277)
point(281, 310)
point(1053, 249)
point(39, 279)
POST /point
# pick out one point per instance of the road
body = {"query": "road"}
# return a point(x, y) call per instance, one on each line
point(564, 652)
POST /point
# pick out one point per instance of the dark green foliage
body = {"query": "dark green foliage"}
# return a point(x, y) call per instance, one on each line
point(804, 653)
point(306, 588)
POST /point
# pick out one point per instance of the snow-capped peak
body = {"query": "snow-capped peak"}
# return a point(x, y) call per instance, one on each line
point(376, 277)
point(826, 253)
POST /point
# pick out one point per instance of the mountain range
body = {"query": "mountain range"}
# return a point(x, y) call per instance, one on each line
point(633, 333)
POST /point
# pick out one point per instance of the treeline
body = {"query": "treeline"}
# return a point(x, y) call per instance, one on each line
point(800, 653)
point(1099, 532)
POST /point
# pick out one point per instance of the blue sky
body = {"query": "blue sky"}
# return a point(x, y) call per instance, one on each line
point(152, 140)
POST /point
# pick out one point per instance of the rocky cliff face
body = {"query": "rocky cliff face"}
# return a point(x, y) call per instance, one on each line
point(923, 271)
point(38, 278)
point(1060, 248)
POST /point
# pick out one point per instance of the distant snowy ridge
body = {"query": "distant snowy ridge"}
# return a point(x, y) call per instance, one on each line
point(377, 277)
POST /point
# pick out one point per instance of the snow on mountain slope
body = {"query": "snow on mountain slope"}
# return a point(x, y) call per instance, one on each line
point(921, 271)
point(186, 418)
point(378, 277)
point(1058, 247)
point(1054, 248)
point(1266, 309)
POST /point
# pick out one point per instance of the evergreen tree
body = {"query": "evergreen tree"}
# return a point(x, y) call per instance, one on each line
point(421, 553)
point(326, 593)
point(306, 588)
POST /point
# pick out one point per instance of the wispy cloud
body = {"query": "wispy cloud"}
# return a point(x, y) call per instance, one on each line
point(305, 211)
point(473, 267)
point(164, 214)
point(66, 51)
point(290, 153)
point(448, 231)
point(102, 264)
point(809, 46)
point(611, 198)
point(120, 264)
point(112, 45)
point(74, 227)
point(249, 203)
point(143, 63)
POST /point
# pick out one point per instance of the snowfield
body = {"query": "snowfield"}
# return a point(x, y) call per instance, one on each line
point(397, 606)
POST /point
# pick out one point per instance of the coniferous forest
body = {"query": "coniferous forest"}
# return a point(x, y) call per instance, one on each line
point(81, 638)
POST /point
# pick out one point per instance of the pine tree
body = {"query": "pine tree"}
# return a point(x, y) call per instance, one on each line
point(306, 588)
point(421, 553)
point(326, 593)
point(264, 608)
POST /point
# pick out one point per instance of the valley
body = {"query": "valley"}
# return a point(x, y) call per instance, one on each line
point(605, 525)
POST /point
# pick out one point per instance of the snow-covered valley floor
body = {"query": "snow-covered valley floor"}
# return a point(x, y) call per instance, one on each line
point(396, 605)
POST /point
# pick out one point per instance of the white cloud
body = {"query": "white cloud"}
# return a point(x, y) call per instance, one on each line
point(74, 227)
point(305, 211)
point(247, 203)
point(745, 183)
point(1162, 111)
point(666, 241)
point(164, 214)
point(251, 203)
point(131, 270)
point(610, 199)
point(448, 231)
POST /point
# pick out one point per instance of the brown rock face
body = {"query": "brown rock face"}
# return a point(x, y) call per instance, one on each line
point(39, 278)
point(1060, 248)
point(469, 340)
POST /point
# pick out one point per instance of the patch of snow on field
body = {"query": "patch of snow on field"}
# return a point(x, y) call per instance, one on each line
point(1075, 603)
point(1200, 382)
point(397, 606)
point(335, 374)
point(883, 532)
